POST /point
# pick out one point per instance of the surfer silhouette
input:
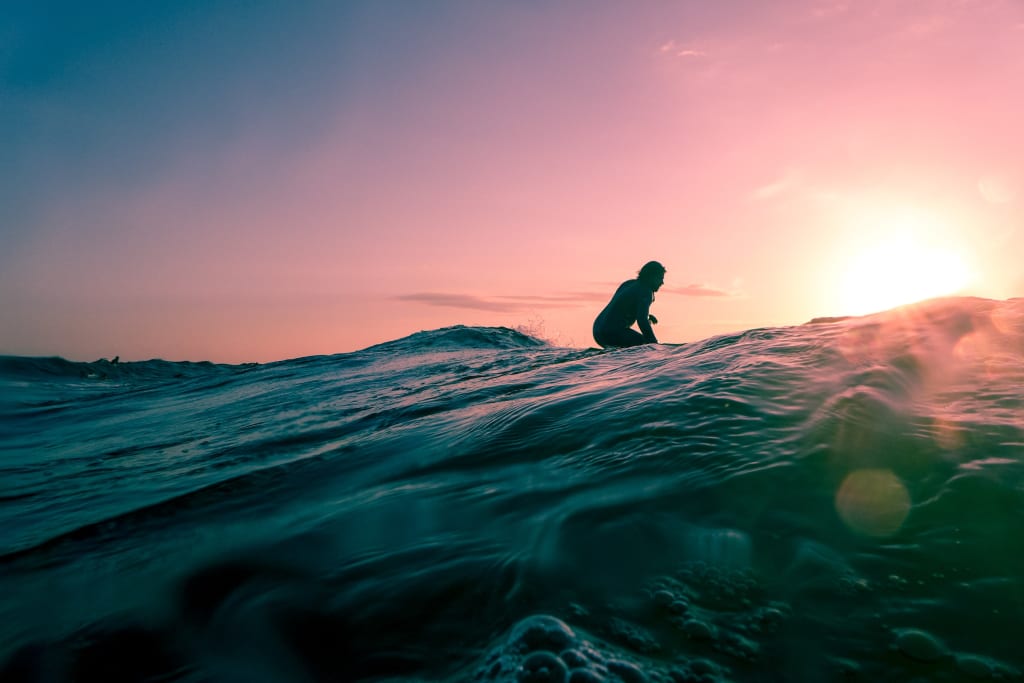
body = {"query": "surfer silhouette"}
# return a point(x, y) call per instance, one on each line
point(631, 304)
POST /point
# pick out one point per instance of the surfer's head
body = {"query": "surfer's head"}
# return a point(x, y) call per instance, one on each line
point(653, 275)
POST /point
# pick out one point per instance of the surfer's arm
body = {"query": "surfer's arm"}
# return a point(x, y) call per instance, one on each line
point(643, 320)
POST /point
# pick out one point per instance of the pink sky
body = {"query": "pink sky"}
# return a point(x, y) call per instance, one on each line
point(273, 189)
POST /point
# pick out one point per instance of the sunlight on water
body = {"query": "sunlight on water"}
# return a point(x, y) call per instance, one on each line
point(949, 436)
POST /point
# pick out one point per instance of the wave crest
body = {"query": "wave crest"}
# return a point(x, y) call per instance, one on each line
point(459, 338)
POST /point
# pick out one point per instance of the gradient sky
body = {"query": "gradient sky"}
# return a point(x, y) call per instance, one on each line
point(252, 181)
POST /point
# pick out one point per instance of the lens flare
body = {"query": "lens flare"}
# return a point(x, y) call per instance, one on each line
point(873, 502)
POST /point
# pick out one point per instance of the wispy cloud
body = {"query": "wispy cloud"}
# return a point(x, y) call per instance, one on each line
point(674, 49)
point(501, 303)
point(696, 290)
point(527, 303)
point(790, 180)
point(927, 26)
point(827, 10)
point(560, 298)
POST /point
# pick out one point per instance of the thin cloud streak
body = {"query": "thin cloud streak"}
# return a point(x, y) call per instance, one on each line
point(830, 9)
point(577, 296)
point(695, 290)
point(674, 49)
point(790, 180)
point(498, 304)
point(520, 303)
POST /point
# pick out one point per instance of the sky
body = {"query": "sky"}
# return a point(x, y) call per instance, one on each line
point(255, 181)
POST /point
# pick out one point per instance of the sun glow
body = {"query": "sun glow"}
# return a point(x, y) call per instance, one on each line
point(908, 262)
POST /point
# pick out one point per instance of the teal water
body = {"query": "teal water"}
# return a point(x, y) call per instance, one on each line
point(840, 500)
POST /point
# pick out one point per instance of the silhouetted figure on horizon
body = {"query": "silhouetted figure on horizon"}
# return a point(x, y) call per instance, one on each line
point(631, 304)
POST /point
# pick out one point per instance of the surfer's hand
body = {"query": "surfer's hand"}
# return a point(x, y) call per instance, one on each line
point(654, 321)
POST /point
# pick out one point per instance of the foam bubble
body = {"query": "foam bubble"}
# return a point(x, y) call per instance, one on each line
point(704, 667)
point(542, 632)
point(697, 629)
point(919, 645)
point(679, 606)
point(664, 597)
point(974, 666)
point(574, 659)
point(634, 636)
point(627, 671)
point(584, 676)
point(543, 667)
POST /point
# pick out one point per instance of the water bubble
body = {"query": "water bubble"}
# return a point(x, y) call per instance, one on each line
point(627, 671)
point(679, 607)
point(698, 630)
point(974, 666)
point(584, 676)
point(679, 675)
point(873, 502)
point(574, 659)
point(919, 645)
point(703, 666)
point(542, 632)
point(543, 667)
point(634, 636)
point(770, 615)
point(664, 597)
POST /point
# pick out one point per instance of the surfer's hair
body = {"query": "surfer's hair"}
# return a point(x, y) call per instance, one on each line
point(652, 270)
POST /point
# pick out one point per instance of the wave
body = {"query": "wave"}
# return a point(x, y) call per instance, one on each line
point(786, 503)
point(18, 368)
point(454, 338)
point(459, 338)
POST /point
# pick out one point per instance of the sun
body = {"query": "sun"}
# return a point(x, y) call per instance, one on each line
point(906, 262)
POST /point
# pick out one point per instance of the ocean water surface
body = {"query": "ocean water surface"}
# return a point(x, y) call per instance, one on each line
point(841, 500)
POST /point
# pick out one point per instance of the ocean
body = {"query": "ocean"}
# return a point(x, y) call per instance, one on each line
point(836, 501)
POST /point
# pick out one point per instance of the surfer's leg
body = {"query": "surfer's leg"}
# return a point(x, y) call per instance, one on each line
point(618, 338)
point(632, 338)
